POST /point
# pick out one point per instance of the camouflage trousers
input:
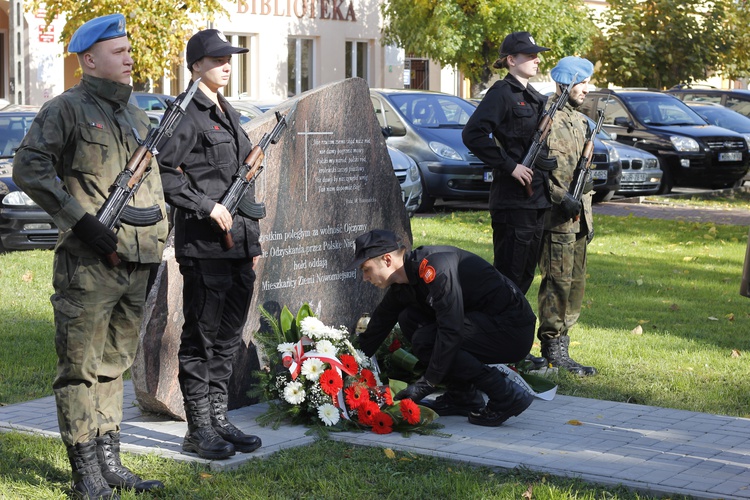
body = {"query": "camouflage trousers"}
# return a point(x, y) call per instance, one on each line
point(98, 312)
point(562, 262)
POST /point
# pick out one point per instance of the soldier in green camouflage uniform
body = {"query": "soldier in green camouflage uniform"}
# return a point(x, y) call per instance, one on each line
point(85, 137)
point(569, 225)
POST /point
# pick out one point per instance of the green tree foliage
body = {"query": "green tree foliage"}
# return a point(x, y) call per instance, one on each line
point(660, 43)
point(736, 61)
point(468, 33)
point(158, 29)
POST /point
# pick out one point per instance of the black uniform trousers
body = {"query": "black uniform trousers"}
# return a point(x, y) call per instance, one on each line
point(517, 240)
point(486, 339)
point(216, 300)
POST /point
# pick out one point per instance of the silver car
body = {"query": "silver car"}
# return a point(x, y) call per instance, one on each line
point(408, 177)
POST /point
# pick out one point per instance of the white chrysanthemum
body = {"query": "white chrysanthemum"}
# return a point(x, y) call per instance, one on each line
point(294, 393)
point(313, 327)
point(335, 334)
point(326, 347)
point(329, 414)
point(312, 368)
point(285, 347)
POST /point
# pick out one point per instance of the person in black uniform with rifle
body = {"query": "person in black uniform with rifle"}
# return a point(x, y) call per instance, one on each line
point(459, 313)
point(197, 166)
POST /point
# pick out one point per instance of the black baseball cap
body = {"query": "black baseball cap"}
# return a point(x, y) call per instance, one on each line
point(373, 244)
point(209, 43)
point(520, 42)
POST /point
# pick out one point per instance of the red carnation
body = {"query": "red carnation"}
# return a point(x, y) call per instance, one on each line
point(410, 411)
point(395, 346)
point(330, 382)
point(383, 423)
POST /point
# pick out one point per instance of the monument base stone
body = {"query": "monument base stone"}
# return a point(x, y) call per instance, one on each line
point(328, 180)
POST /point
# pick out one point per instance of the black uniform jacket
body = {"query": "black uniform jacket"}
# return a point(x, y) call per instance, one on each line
point(448, 282)
point(508, 113)
point(197, 166)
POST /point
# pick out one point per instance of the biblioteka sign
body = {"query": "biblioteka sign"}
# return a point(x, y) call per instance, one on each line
point(334, 10)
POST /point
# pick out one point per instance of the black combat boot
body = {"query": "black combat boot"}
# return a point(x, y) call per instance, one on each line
point(556, 352)
point(201, 438)
point(244, 443)
point(459, 399)
point(507, 399)
point(88, 482)
point(537, 362)
point(116, 474)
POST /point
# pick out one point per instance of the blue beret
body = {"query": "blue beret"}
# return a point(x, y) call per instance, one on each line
point(96, 30)
point(571, 66)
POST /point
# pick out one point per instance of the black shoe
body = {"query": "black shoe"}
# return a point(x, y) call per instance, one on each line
point(536, 363)
point(201, 438)
point(490, 417)
point(244, 443)
point(116, 474)
point(88, 483)
point(453, 403)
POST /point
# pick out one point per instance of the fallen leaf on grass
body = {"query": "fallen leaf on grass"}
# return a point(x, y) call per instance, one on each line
point(674, 307)
point(205, 475)
point(730, 316)
point(688, 259)
point(389, 453)
point(735, 353)
point(713, 318)
point(28, 276)
point(574, 422)
point(528, 493)
point(638, 330)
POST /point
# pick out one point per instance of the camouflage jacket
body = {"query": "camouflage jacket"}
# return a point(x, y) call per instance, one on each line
point(565, 141)
point(85, 138)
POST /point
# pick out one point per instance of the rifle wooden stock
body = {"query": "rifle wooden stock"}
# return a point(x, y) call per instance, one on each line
point(543, 129)
point(255, 161)
point(246, 174)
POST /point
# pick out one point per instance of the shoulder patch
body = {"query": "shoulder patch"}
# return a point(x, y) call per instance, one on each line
point(426, 271)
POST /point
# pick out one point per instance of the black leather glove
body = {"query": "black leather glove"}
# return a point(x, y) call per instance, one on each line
point(570, 207)
point(589, 236)
point(416, 391)
point(98, 236)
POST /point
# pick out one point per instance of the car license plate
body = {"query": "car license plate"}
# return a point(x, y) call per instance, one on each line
point(731, 156)
point(634, 176)
point(488, 176)
point(599, 174)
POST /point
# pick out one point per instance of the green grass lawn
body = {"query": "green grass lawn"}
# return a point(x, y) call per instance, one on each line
point(663, 322)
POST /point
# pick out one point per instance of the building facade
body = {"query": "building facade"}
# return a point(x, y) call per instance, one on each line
point(294, 45)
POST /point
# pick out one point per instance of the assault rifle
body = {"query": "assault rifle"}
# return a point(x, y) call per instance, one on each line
point(234, 199)
point(583, 169)
point(116, 209)
point(543, 129)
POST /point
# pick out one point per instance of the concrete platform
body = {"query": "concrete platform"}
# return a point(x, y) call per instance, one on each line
point(654, 450)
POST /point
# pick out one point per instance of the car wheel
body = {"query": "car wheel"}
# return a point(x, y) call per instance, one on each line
point(667, 183)
point(600, 196)
point(427, 202)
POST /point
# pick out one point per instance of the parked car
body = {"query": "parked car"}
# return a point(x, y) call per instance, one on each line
point(690, 151)
point(606, 169)
point(408, 177)
point(248, 111)
point(151, 102)
point(427, 126)
point(736, 99)
point(640, 172)
point(23, 224)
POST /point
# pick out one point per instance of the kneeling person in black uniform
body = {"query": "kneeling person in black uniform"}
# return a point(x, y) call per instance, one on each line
point(459, 313)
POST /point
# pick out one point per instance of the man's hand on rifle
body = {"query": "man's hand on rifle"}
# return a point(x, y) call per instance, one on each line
point(98, 236)
point(522, 174)
point(570, 207)
point(221, 216)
